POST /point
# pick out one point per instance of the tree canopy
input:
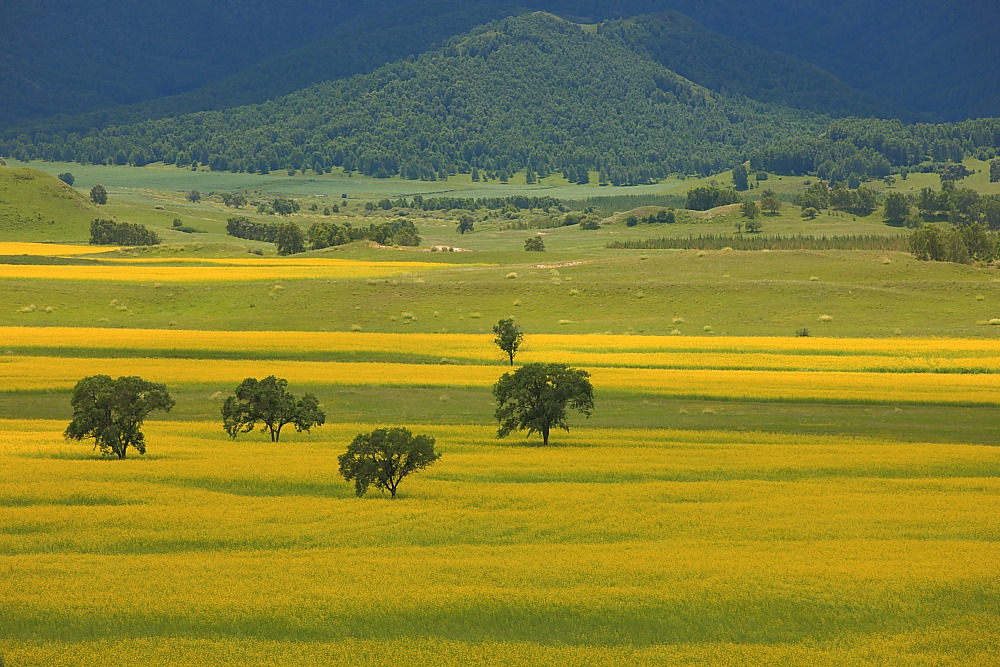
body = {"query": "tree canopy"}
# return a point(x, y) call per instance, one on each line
point(536, 397)
point(112, 412)
point(384, 457)
point(268, 404)
point(508, 337)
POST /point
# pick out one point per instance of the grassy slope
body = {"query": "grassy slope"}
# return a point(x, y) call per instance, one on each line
point(36, 206)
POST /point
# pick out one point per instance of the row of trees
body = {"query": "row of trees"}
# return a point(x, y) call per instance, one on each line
point(109, 232)
point(963, 244)
point(535, 397)
point(950, 203)
point(290, 239)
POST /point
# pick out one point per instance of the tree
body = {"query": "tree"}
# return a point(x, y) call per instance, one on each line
point(466, 224)
point(384, 457)
point(112, 412)
point(284, 206)
point(897, 208)
point(289, 239)
point(194, 196)
point(67, 178)
point(995, 170)
point(98, 194)
point(740, 178)
point(769, 201)
point(268, 403)
point(534, 244)
point(535, 397)
point(753, 226)
point(749, 209)
point(508, 337)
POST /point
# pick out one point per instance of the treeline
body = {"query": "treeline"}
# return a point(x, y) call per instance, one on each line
point(870, 148)
point(775, 242)
point(531, 94)
point(951, 204)
point(820, 195)
point(326, 234)
point(963, 244)
point(109, 232)
point(418, 202)
point(609, 205)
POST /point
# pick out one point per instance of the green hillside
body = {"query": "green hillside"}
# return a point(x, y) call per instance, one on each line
point(722, 63)
point(36, 206)
point(532, 91)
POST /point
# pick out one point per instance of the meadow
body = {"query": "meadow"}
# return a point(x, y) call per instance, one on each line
point(741, 494)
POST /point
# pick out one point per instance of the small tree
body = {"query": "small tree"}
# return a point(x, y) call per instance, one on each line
point(749, 209)
point(112, 412)
point(67, 178)
point(466, 224)
point(508, 337)
point(289, 239)
point(769, 201)
point(534, 244)
point(995, 170)
point(536, 396)
point(384, 457)
point(99, 194)
point(194, 196)
point(740, 177)
point(266, 402)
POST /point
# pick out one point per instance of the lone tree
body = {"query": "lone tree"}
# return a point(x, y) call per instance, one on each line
point(466, 224)
point(112, 411)
point(536, 396)
point(508, 337)
point(267, 403)
point(98, 194)
point(534, 244)
point(384, 457)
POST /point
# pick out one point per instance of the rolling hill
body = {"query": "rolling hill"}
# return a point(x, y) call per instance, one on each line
point(36, 206)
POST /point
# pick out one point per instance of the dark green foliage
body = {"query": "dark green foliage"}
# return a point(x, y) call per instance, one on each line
point(802, 333)
point(953, 171)
point(897, 208)
point(536, 397)
point(67, 178)
point(112, 412)
point(962, 244)
point(109, 232)
point(722, 63)
point(707, 197)
point(749, 210)
point(466, 224)
point(871, 148)
point(384, 457)
point(267, 403)
point(741, 180)
point(663, 216)
point(508, 337)
point(289, 239)
point(995, 170)
point(284, 206)
point(243, 227)
point(193, 196)
point(395, 232)
point(534, 244)
point(503, 100)
point(776, 242)
point(99, 194)
point(770, 202)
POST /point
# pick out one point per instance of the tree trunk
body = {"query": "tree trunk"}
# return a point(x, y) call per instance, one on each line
point(545, 436)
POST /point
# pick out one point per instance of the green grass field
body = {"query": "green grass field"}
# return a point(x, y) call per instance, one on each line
point(741, 494)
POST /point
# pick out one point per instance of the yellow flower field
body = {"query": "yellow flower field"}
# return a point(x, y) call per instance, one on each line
point(153, 270)
point(621, 546)
point(34, 373)
point(51, 249)
point(898, 355)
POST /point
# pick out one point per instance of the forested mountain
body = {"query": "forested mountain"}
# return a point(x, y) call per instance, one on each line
point(925, 56)
point(725, 64)
point(531, 92)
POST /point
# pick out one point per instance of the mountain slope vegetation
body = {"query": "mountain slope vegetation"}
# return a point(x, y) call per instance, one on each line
point(532, 92)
